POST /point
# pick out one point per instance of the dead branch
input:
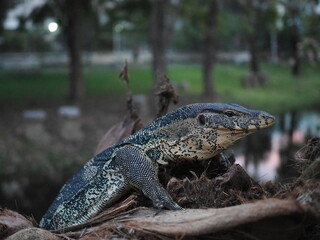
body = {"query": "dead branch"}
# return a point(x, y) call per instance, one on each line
point(124, 75)
point(166, 94)
point(130, 123)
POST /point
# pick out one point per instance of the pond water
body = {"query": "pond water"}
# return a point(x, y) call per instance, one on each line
point(269, 154)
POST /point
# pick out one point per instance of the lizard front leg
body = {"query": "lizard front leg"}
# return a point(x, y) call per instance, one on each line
point(138, 170)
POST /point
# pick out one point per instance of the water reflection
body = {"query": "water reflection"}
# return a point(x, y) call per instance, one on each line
point(269, 154)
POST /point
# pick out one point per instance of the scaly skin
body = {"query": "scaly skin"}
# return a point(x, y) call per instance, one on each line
point(197, 131)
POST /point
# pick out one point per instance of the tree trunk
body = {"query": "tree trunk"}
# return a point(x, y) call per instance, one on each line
point(274, 46)
point(3, 11)
point(76, 90)
point(254, 60)
point(296, 68)
point(159, 39)
point(253, 17)
point(209, 50)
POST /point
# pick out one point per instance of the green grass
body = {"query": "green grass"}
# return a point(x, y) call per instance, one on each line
point(21, 87)
point(283, 92)
point(101, 81)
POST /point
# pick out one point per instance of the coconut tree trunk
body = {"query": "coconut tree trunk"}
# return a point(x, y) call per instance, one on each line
point(209, 50)
point(74, 13)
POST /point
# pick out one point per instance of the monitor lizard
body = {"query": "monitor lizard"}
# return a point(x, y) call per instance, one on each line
point(196, 132)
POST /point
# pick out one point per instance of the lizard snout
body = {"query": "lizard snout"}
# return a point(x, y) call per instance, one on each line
point(266, 120)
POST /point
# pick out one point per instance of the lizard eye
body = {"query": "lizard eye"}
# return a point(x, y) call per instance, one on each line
point(229, 113)
point(201, 120)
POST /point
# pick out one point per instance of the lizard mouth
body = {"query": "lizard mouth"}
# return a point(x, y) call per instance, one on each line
point(260, 125)
point(264, 121)
point(252, 127)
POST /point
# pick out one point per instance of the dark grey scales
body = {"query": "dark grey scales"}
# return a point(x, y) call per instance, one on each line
point(197, 131)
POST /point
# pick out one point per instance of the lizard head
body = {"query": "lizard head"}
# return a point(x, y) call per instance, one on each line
point(206, 129)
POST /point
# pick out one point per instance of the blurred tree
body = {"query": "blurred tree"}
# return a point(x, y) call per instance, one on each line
point(294, 10)
point(298, 23)
point(312, 26)
point(69, 15)
point(310, 45)
point(159, 38)
point(3, 12)
point(74, 14)
point(133, 18)
point(233, 26)
point(199, 21)
point(136, 18)
point(260, 17)
point(209, 49)
point(230, 29)
point(189, 34)
point(5, 5)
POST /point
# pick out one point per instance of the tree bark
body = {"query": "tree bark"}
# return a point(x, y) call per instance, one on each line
point(296, 68)
point(159, 39)
point(209, 50)
point(254, 60)
point(3, 11)
point(253, 17)
point(74, 13)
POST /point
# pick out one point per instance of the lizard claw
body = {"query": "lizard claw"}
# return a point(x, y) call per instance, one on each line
point(162, 199)
point(173, 206)
point(158, 211)
point(170, 205)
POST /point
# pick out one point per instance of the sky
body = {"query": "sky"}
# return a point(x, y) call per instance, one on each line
point(22, 9)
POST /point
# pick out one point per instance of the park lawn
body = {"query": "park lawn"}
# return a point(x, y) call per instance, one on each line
point(283, 92)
